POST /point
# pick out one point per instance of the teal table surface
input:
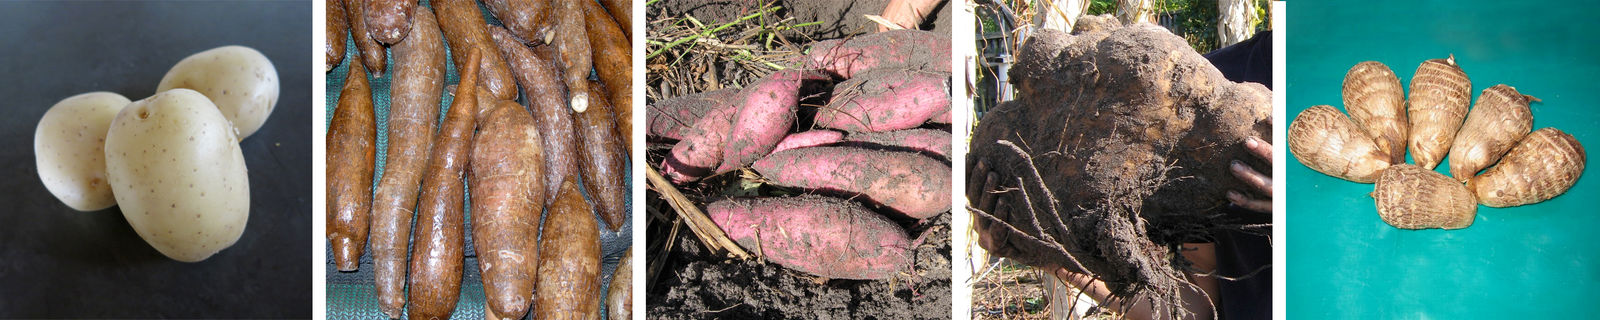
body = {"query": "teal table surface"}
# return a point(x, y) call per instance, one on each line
point(1536, 261)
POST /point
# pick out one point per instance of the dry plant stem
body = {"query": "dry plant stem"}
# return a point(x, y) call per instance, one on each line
point(351, 155)
point(708, 232)
point(1376, 101)
point(437, 253)
point(1494, 125)
point(415, 94)
point(572, 41)
point(372, 53)
point(1440, 95)
point(1542, 166)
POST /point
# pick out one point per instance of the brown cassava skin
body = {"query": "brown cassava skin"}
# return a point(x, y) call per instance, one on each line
point(908, 183)
point(569, 266)
point(604, 161)
point(931, 142)
point(1410, 197)
point(1494, 125)
point(1440, 95)
point(619, 298)
point(547, 100)
point(622, 12)
point(1377, 105)
point(899, 49)
point(1542, 166)
point(886, 100)
point(700, 151)
point(372, 52)
point(824, 236)
point(1323, 139)
point(389, 21)
point(764, 117)
point(666, 118)
point(437, 252)
point(613, 62)
point(337, 28)
point(571, 40)
point(464, 28)
point(351, 155)
point(528, 19)
point(507, 178)
point(413, 108)
point(813, 138)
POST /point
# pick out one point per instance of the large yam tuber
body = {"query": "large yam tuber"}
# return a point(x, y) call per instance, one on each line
point(464, 28)
point(1542, 166)
point(907, 183)
point(437, 251)
point(1410, 197)
point(547, 99)
point(1440, 95)
point(1377, 105)
point(351, 155)
point(1496, 123)
point(899, 49)
point(613, 62)
point(569, 264)
point(334, 37)
point(372, 53)
point(825, 236)
point(886, 100)
point(507, 178)
point(605, 161)
point(1325, 140)
point(415, 94)
point(668, 117)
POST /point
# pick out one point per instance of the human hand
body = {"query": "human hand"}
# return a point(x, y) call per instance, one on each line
point(906, 13)
point(1255, 179)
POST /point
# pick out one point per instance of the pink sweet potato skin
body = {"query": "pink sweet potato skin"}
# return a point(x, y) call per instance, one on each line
point(813, 138)
point(667, 117)
point(908, 183)
point(927, 141)
point(900, 49)
point(829, 237)
point(886, 100)
point(766, 113)
point(701, 148)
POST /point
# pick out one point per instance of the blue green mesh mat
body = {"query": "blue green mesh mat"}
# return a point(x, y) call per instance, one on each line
point(1538, 261)
point(351, 295)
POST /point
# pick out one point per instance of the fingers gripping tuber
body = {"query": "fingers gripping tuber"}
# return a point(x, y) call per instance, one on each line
point(351, 155)
point(1323, 139)
point(1377, 105)
point(413, 108)
point(1410, 197)
point(1440, 95)
point(437, 252)
point(1542, 166)
point(1496, 123)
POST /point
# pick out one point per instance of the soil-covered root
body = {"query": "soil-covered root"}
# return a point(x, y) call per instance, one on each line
point(668, 117)
point(907, 183)
point(825, 236)
point(886, 100)
point(900, 49)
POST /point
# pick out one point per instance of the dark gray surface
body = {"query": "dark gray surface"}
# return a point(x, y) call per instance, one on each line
point(56, 262)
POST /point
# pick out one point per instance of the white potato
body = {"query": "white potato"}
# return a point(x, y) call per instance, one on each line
point(240, 80)
point(177, 172)
point(67, 147)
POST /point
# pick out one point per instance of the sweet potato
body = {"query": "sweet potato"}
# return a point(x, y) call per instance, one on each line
point(1377, 105)
point(1440, 94)
point(825, 236)
point(1499, 120)
point(1410, 197)
point(571, 40)
point(1323, 139)
point(766, 113)
point(813, 138)
point(351, 156)
point(604, 161)
point(437, 252)
point(547, 100)
point(1542, 166)
point(464, 28)
point(622, 12)
point(942, 118)
point(667, 117)
point(506, 174)
point(372, 52)
point(569, 264)
point(619, 296)
point(886, 100)
point(528, 19)
point(389, 21)
point(337, 28)
point(926, 141)
point(900, 49)
point(613, 62)
point(701, 148)
point(907, 183)
point(413, 108)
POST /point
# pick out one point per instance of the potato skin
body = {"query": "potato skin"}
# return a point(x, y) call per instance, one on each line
point(1323, 139)
point(1410, 197)
point(613, 62)
point(69, 149)
point(239, 80)
point(762, 120)
point(908, 183)
point(569, 260)
point(813, 138)
point(351, 155)
point(1377, 105)
point(416, 90)
point(825, 236)
point(1542, 166)
point(437, 250)
point(1499, 120)
point(188, 198)
point(1440, 94)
